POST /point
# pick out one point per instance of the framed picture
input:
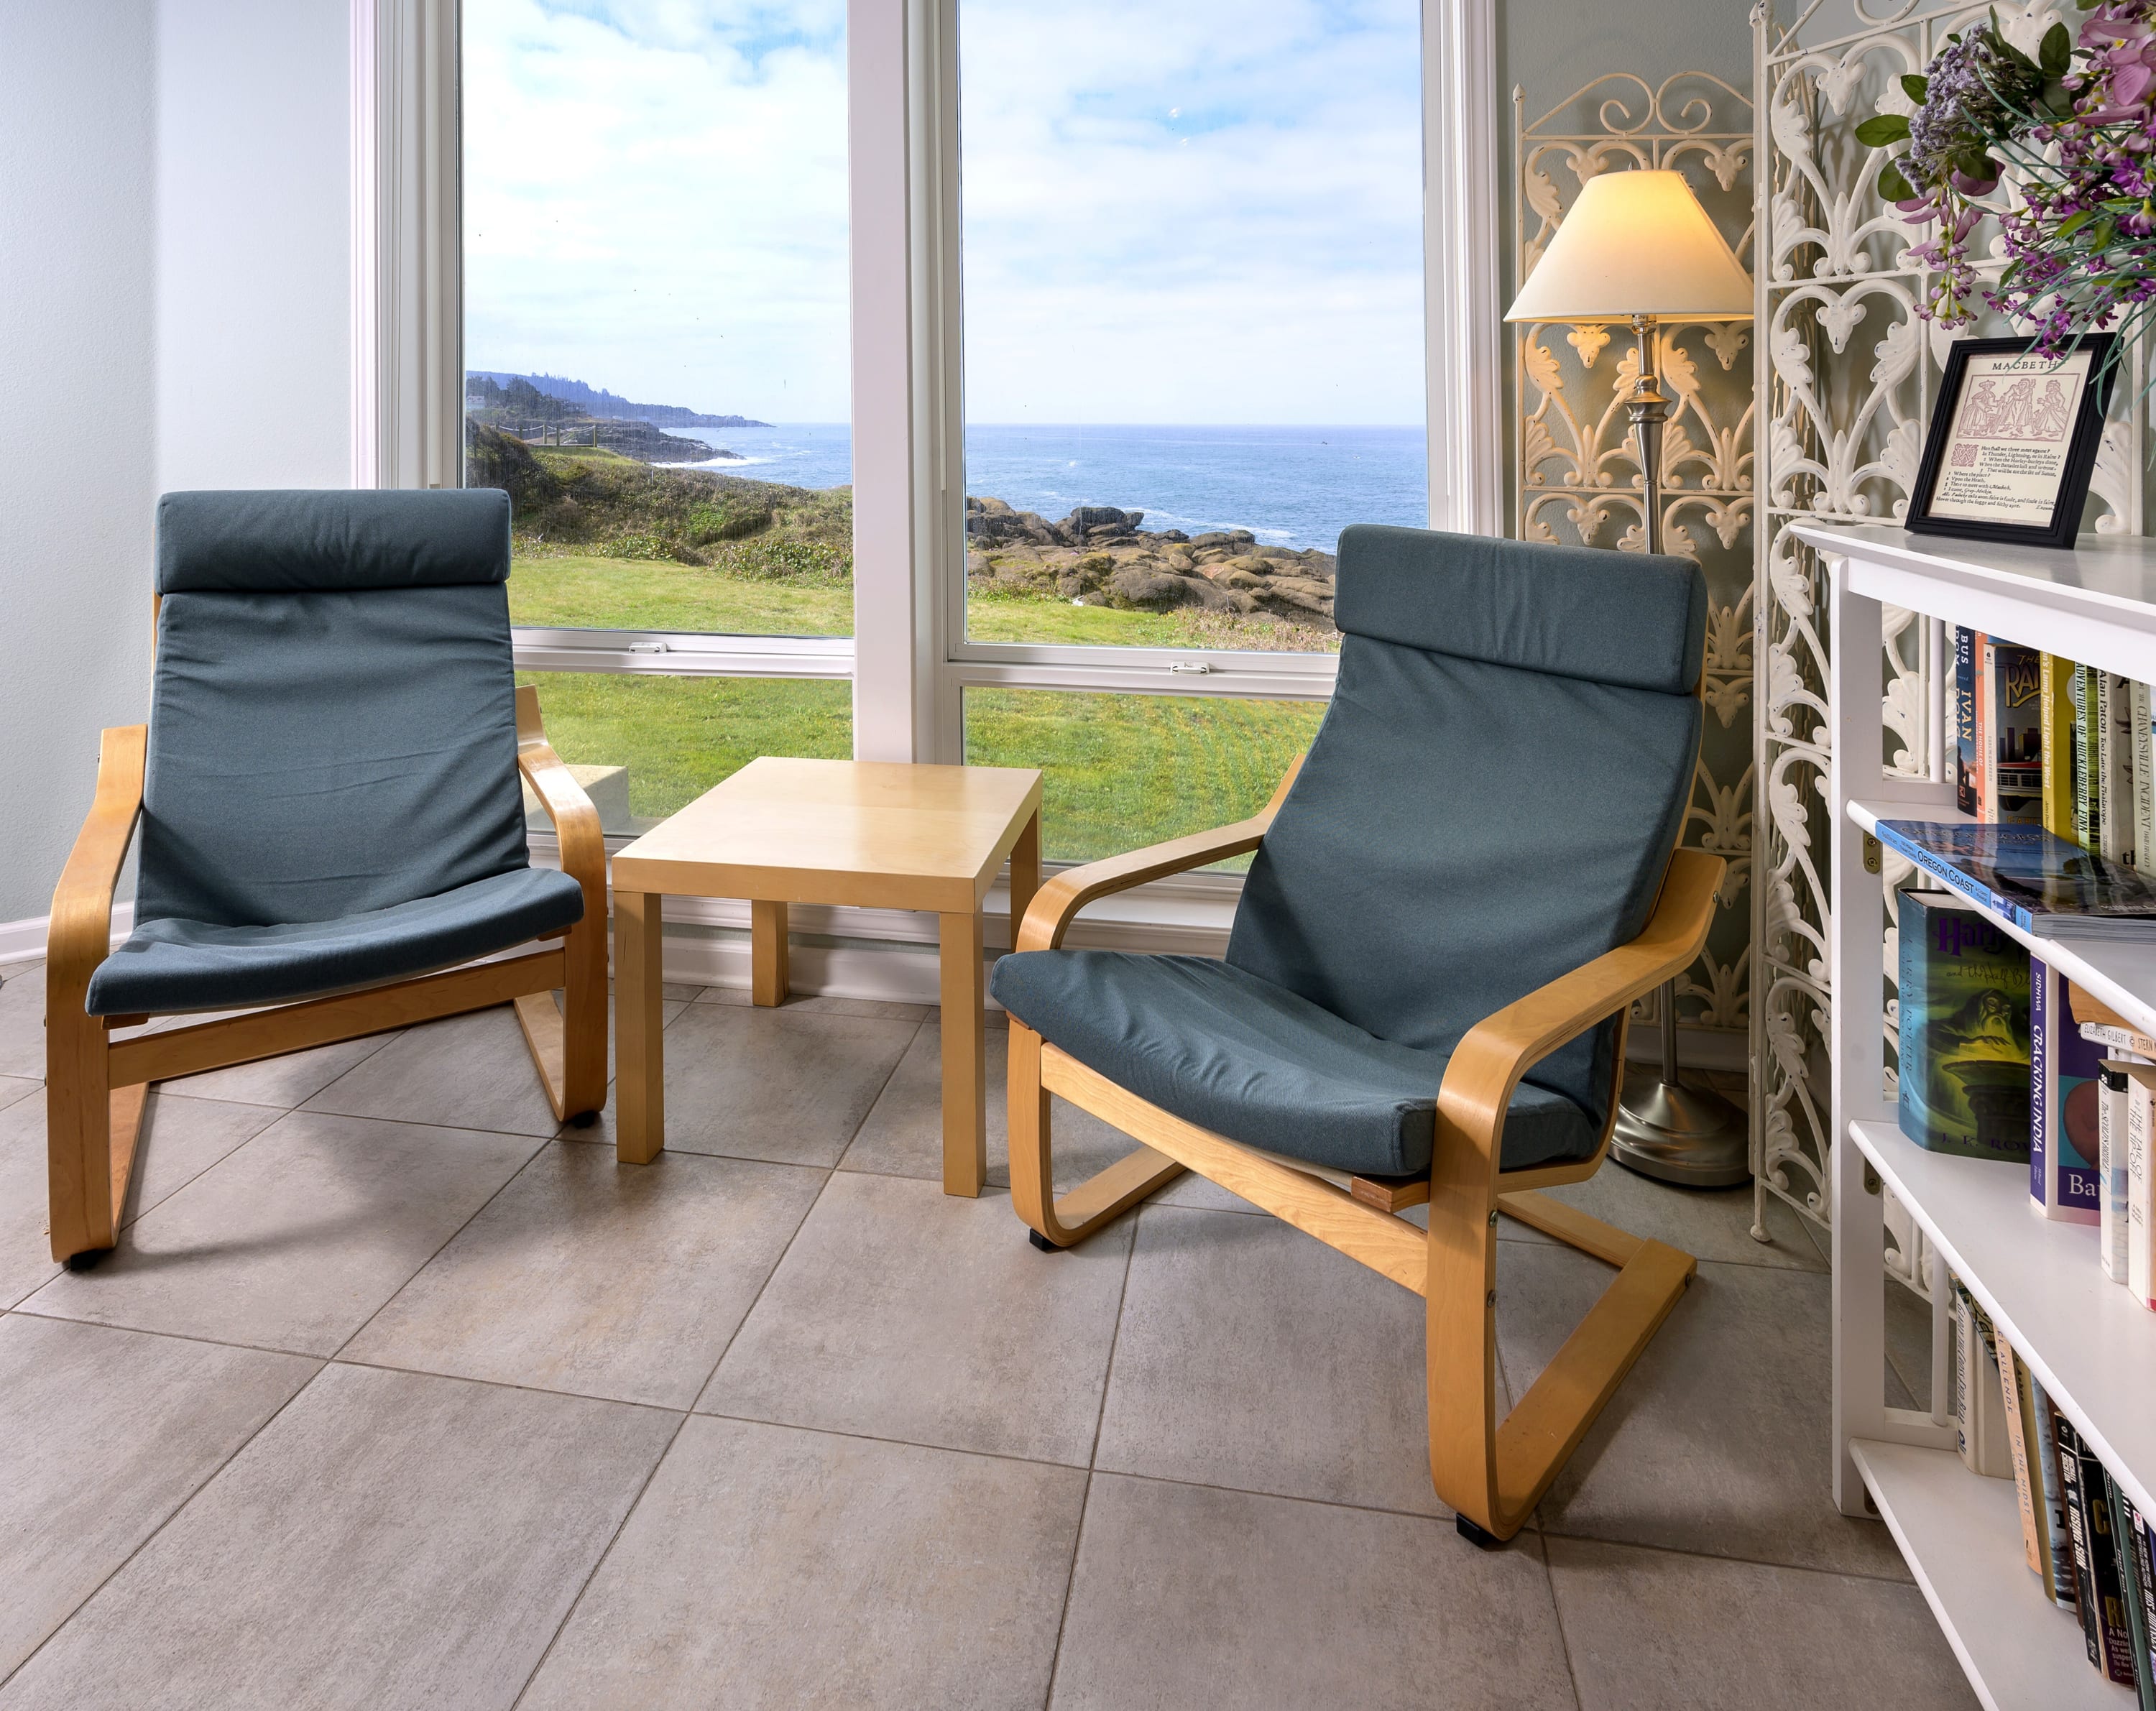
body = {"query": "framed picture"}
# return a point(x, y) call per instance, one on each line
point(2012, 442)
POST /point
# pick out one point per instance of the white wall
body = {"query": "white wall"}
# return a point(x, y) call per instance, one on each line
point(175, 310)
point(78, 480)
point(253, 153)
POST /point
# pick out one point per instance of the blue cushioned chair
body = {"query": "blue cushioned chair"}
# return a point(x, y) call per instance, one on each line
point(1455, 898)
point(330, 811)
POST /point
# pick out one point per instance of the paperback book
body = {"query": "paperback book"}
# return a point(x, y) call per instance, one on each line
point(2010, 715)
point(2043, 884)
point(1963, 1042)
point(2065, 1105)
point(2056, 730)
point(1966, 792)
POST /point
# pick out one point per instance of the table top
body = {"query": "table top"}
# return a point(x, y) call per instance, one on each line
point(874, 834)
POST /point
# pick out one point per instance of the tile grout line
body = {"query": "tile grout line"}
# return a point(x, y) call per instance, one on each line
point(1557, 1616)
point(1092, 1455)
point(178, 1510)
point(627, 1514)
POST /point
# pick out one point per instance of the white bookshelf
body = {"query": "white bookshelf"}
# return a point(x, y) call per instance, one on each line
point(2091, 1347)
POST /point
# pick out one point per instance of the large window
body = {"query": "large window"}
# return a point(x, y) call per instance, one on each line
point(655, 343)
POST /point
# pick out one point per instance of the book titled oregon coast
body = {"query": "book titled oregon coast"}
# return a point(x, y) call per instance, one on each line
point(2042, 883)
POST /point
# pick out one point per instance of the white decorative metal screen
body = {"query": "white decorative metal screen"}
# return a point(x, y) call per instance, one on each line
point(1846, 372)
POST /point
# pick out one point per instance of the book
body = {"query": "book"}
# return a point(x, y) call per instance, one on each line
point(2140, 1277)
point(2126, 1533)
point(2111, 1167)
point(2144, 1550)
point(2115, 698)
point(2028, 1494)
point(1980, 1413)
point(2010, 715)
point(2061, 1584)
point(2088, 749)
point(1965, 645)
point(2114, 1634)
point(2042, 884)
point(2070, 1491)
point(2064, 1108)
point(2144, 779)
point(2056, 730)
point(1963, 1042)
point(2105, 1026)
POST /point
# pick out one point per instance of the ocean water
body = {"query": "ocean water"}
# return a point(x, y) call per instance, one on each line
point(1291, 486)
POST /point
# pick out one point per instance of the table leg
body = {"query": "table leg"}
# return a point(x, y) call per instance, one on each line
point(965, 1076)
point(1025, 873)
point(639, 1094)
point(767, 938)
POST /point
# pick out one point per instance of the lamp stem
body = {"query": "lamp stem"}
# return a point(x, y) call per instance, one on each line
point(1648, 408)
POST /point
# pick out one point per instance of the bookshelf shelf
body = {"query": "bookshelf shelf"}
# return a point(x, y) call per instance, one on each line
point(1963, 1543)
point(2093, 1349)
point(2087, 1343)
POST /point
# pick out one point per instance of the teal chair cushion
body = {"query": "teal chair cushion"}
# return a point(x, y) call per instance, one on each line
point(171, 965)
point(1489, 803)
point(1239, 1055)
point(332, 737)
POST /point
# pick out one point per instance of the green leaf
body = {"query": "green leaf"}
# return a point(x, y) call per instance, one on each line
point(2073, 223)
point(1914, 85)
point(1892, 185)
point(2056, 52)
point(1881, 129)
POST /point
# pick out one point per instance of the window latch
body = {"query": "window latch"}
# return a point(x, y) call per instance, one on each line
point(648, 647)
point(1191, 668)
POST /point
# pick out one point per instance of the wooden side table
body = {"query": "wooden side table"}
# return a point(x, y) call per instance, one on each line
point(872, 834)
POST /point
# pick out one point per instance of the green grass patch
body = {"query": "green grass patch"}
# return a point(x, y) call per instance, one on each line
point(586, 591)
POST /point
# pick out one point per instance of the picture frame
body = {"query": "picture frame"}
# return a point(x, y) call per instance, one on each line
point(2012, 442)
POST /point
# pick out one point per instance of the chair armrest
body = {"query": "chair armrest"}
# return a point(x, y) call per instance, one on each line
point(1061, 898)
point(79, 936)
point(1500, 1049)
point(576, 819)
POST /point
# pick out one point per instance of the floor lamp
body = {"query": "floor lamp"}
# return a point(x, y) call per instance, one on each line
point(1638, 249)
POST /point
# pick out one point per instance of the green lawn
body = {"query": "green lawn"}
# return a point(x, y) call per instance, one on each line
point(1122, 770)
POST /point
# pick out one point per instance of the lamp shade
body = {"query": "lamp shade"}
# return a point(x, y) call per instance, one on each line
point(1636, 242)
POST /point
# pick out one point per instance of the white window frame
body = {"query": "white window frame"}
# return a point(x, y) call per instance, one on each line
point(909, 659)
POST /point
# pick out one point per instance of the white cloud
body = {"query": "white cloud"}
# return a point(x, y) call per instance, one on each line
point(1208, 212)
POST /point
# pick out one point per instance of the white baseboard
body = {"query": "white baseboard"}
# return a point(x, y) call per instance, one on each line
point(24, 941)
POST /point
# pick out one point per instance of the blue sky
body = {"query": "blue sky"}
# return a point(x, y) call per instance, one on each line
point(1207, 211)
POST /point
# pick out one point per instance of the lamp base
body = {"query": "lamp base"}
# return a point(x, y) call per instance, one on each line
point(1691, 1137)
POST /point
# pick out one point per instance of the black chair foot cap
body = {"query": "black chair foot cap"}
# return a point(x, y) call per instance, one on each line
point(1042, 1242)
point(1475, 1536)
point(584, 1119)
point(87, 1258)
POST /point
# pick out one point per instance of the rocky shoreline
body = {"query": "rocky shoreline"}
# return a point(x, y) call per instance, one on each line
point(1100, 556)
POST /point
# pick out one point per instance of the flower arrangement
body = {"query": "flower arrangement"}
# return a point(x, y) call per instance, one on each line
point(2077, 128)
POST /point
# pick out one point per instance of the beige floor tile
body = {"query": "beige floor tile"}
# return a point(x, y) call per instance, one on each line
point(815, 1004)
point(298, 1238)
point(772, 1568)
point(1251, 1355)
point(787, 1085)
point(390, 1540)
point(103, 1435)
point(1717, 1442)
point(1189, 1597)
point(23, 1020)
point(1656, 1630)
point(181, 1138)
point(1708, 1224)
point(468, 1071)
point(903, 1134)
point(281, 1081)
point(26, 1254)
point(15, 1088)
point(900, 1311)
point(600, 1279)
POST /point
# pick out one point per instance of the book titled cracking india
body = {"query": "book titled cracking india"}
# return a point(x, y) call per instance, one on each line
point(2042, 884)
point(1962, 990)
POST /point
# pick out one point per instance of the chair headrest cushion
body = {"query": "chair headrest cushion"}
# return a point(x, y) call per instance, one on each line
point(330, 539)
point(1627, 618)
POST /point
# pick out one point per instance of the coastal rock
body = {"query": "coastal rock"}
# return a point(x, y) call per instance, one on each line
point(1100, 554)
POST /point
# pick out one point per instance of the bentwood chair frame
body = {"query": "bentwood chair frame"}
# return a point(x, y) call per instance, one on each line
point(1491, 1471)
point(97, 1085)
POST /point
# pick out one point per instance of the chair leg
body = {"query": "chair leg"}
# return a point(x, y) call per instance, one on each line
point(1066, 1222)
point(91, 1131)
point(568, 1040)
point(1493, 1473)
